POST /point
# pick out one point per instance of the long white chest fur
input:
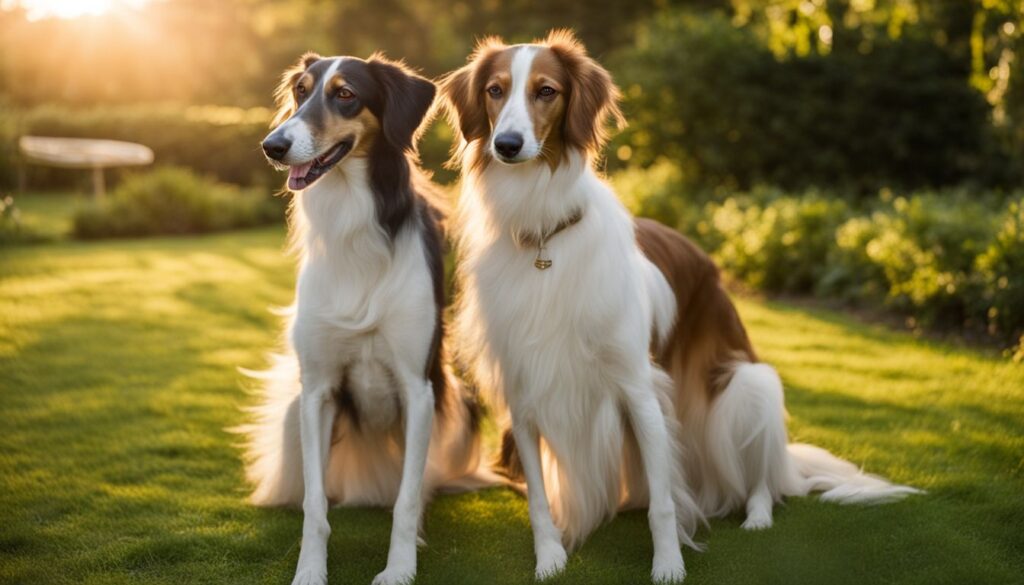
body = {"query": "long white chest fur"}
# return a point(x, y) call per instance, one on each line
point(361, 305)
point(560, 347)
point(552, 341)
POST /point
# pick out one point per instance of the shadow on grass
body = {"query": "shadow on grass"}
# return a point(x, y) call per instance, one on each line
point(118, 379)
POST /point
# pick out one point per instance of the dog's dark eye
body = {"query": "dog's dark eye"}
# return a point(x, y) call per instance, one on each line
point(494, 91)
point(345, 94)
point(546, 92)
point(300, 89)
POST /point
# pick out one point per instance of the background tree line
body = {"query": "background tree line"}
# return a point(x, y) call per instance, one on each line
point(851, 94)
point(864, 150)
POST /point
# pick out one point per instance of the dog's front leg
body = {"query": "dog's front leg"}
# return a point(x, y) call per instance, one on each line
point(419, 417)
point(547, 541)
point(317, 412)
point(655, 449)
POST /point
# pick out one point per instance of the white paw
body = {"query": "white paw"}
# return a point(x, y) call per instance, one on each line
point(395, 576)
point(311, 575)
point(551, 560)
point(759, 520)
point(668, 570)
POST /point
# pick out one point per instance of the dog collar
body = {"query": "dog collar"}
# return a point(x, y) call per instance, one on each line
point(526, 239)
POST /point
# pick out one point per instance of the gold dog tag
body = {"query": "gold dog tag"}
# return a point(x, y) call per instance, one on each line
point(540, 263)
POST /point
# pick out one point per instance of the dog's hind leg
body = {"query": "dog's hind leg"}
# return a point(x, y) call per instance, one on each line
point(419, 414)
point(747, 442)
point(317, 409)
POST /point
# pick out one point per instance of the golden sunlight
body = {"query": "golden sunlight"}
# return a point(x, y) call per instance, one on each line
point(39, 9)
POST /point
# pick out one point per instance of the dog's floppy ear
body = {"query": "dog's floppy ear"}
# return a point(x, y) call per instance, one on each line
point(461, 104)
point(406, 99)
point(462, 96)
point(462, 91)
point(593, 96)
point(284, 96)
point(462, 101)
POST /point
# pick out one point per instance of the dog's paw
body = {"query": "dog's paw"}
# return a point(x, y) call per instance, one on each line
point(551, 560)
point(668, 570)
point(758, 520)
point(395, 576)
point(310, 576)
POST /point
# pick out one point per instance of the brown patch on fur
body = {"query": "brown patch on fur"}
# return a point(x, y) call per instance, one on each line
point(705, 342)
point(576, 118)
point(284, 94)
point(548, 113)
point(593, 97)
point(364, 127)
point(462, 96)
point(708, 336)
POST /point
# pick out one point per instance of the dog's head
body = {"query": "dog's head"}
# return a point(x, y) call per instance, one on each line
point(521, 102)
point(333, 107)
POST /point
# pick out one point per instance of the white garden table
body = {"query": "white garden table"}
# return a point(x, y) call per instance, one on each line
point(85, 153)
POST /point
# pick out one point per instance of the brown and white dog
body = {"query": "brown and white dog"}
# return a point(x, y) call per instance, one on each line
point(626, 370)
point(359, 410)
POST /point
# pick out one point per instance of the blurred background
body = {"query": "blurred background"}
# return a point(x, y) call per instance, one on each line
point(869, 152)
point(855, 166)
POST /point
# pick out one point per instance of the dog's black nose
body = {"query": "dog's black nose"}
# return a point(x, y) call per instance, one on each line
point(276, 147)
point(508, 144)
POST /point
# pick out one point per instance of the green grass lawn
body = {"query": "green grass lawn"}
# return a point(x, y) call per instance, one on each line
point(117, 380)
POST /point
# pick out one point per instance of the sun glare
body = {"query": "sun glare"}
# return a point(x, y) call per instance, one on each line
point(39, 9)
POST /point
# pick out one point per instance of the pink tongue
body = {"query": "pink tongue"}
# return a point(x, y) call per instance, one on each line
point(296, 174)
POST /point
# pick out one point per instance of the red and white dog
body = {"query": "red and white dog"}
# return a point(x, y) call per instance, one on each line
point(564, 300)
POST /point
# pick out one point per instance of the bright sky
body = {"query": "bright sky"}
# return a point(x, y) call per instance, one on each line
point(37, 9)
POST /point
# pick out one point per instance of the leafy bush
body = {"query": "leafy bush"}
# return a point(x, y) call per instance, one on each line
point(12, 230)
point(174, 201)
point(780, 245)
point(899, 112)
point(1000, 269)
point(920, 251)
point(950, 259)
point(657, 192)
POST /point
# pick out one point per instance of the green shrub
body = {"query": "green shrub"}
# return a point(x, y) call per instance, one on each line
point(780, 244)
point(1000, 269)
point(656, 192)
point(172, 200)
point(919, 251)
point(12, 230)
point(948, 260)
point(713, 97)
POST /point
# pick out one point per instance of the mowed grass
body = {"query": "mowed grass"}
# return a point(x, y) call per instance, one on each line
point(118, 378)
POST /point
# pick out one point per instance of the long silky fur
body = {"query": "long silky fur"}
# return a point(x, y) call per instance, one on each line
point(725, 411)
point(338, 221)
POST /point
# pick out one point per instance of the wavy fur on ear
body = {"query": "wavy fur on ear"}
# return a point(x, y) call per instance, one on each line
point(462, 93)
point(597, 423)
point(284, 94)
point(593, 96)
point(407, 99)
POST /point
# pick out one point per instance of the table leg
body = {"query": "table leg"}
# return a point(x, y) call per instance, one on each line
point(99, 188)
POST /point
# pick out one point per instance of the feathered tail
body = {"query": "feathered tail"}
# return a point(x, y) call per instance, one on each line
point(273, 447)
